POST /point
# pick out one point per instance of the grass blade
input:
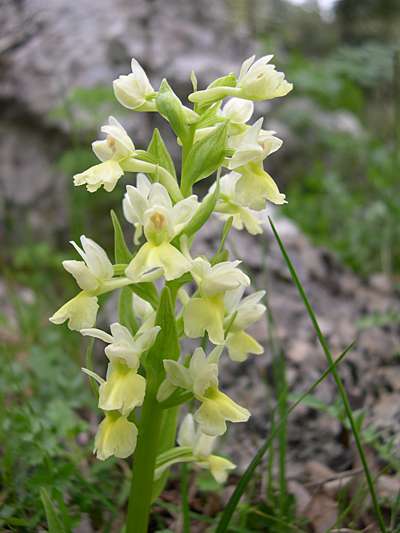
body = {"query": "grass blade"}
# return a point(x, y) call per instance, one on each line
point(54, 523)
point(248, 474)
point(339, 383)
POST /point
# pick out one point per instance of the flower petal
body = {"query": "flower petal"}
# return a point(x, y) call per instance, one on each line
point(115, 436)
point(123, 391)
point(211, 421)
point(86, 280)
point(80, 312)
point(240, 345)
point(204, 314)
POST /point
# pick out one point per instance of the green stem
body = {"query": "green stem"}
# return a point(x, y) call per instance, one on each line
point(143, 465)
point(185, 498)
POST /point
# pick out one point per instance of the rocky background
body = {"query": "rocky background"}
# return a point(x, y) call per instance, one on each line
point(48, 49)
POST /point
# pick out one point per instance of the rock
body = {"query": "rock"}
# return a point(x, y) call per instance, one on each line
point(340, 300)
point(322, 512)
point(381, 282)
point(48, 49)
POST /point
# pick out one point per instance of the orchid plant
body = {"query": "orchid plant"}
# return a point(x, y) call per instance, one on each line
point(166, 294)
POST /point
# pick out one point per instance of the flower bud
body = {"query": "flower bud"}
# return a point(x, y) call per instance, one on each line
point(134, 91)
point(261, 81)
point(238, 110)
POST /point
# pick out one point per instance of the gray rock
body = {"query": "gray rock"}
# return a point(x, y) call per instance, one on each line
point(340, 300)
point(47, 49)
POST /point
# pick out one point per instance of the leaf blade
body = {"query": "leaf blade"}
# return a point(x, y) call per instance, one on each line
point(122, 253)
point(53, 521)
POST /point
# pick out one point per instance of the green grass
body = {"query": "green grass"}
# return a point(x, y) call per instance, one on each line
point(341, 389)
point(49, 410)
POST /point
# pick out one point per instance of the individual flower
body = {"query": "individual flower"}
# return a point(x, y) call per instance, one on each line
point(255, 144)
point(237, 110)
point(194, 446)
point(115, 436)
point(122, 345)
point(117, 154)
point(124, 388)
point(204, 312)
point(202, 446)
point(80, 311)
point(104, 175)
point(229, 205)
point(149, 208)
point(261, 81)
point(201, 378)
point(134, 91)
point(117, 145)
point(94, 275)
point(255, 186)
point(243, 313)
point(257, 81)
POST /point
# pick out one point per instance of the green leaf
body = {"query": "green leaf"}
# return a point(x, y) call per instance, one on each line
point(220, 257)
point(145, 155)
point(159, 151)
point(121, 250)
point(210, 117)
point(225, 232)
point(175, 284)
point(146, 291)
point(170, 107)
point(54, 523)
point(126, 315)
point(204, 157)
point(202, 214)
point(166, 345)
point(229, 80)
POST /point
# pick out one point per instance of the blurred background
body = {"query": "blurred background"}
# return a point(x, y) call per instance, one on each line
point(339, 167)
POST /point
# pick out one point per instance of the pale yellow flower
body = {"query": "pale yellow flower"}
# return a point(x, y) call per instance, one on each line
point(254, 144)
point(94, 275)
point(238, 110)
point(202, 446)
point(150, 209)
point(261, 81)
point(205, 311)
point(81, 312)
point(244, 312)
point(134, 91)
point(117, 154)
point(256, 186)
point(115, 436)
point(104, 175)
point(201, 377)
point(229, 205)
point(122, 345)
point(123, 389)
